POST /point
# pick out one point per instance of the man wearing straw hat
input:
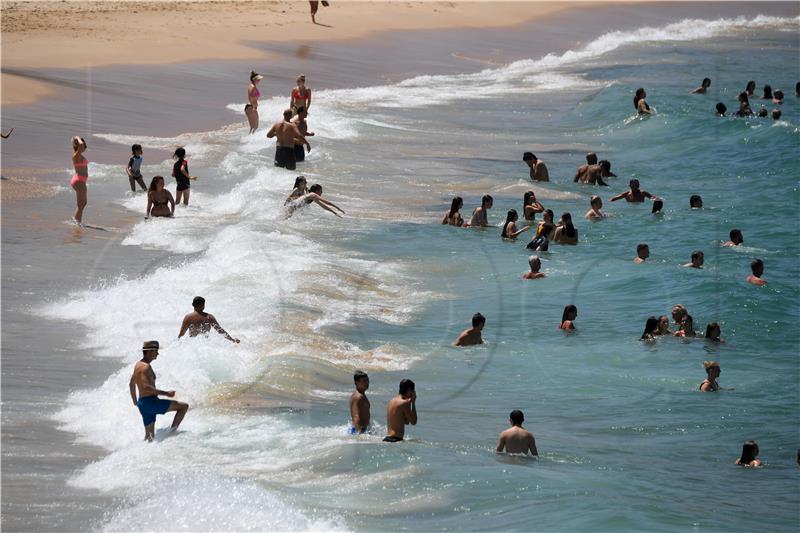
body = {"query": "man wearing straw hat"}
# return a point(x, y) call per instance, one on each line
point(149, 403)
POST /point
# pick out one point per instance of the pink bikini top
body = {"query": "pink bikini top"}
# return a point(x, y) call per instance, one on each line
point(84, 163)
point(254, 92)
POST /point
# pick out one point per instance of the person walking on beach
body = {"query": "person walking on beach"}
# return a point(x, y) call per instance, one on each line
point(472, 336)
point(401, 411)
point(287, 135)
point(158, 198)
point(359, 404)
point(134, 168)
point(81, 176)
point(517, 439)
point(300, 121)
point(301, 95)
point(480, 216)
point(180, 171)
point(199, 322)
point(757, 269)
point(253, 94)
point(149, 403)
point(538, 170)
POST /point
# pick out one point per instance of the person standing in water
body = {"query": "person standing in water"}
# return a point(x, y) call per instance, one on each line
point(453, 216)
point(510, 230)
point(180, 171)
point(635, 194)
point(687, 327)
point(253, 94)
point(749, 455)
point(642, 253)
point(721, 109)
point(538, 170)
point(301, 95)
point(517, 439)
point(697, 260)
point(757, 269)
point(536, 265)
point(650, 329)
point(703, 86)
point(198, 322)
point(565, 232)
point(640, 103)
point(81, 176)
point(287, 136)
point(580, 174)
point(134, 168)
point(594, 174)
point(359, 404)
point(300, 121)
point(595, 206)
point(401, 411)
point(712, 373)
point(149, 403)
point(158, 198)
point(472, 336)
point(568, 318)
point(530, 206)
point(480, 216)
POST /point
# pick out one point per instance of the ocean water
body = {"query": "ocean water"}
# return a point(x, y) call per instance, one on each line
point(626, 441)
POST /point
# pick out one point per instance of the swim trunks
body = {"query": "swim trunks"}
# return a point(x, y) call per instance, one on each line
point(150, 406)
point(391, 438)
point(299, 153)
point(284, 157)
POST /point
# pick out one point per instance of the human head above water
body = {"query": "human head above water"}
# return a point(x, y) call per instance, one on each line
point(695, 202)
point(643, 250)
point(529, 156)
point(736, 236)
point(155, 182)
point(751, 86)
point(299, 181)
point(634, 184)
point(487, 201)
point(150, 349)
point(406, 387)
point(478, 320)
point(535, 263)
point(199, 303)
point(713, 331)
point(287, 114)
point(591, 158)
point(706, 82)
point(316, 188)
point(698, 258)
point(596, 202)
point(605, 165)
point(570, 313)
point(516, 417)
point(757, 267)
point(749, 452)
point(776, 114)
point(678, 312)
point(658, 205)
point(721, 109)
point(255, 77)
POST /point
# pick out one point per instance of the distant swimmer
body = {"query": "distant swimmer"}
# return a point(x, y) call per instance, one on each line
point(198, 322)
point(703, 86)
point(359, 404)
point(744, 106)
point(287, 135)
point(778, 99)
point(531, 206)
point(697, 260)
point(401, 411)
point(568, 318)
point(580, 174)
point(687, 327)
point(713, 332)
point(766, 93)
point(695, 202)
point(134, 168)
point(757, 268)
point(650, 329)
point(565, 232)
point(149, 403)
point(750, 89)
point(749, 455)
point(595, 206)
point(658, 205)
point(712, 372)
point(253, 94)
point(302, 125)
point(510, 230)
point(678, 312)
point(763, 112)
point(81, 176)
point(472, 336)
point(301, 95)
point(635, 194)
point(736, 238)
point(640, 103)
point(453, 216)
point(594, 174)
point(300, 188)
point(776, 114)
point(721, 109)
point(642, 253)
point(479, 215)
point(7, 135)
point(160, 202)
point(538, 170)
point(180, 171)
point(536, 265)
point(663, 325)
point(517, 439)
point(314, 196)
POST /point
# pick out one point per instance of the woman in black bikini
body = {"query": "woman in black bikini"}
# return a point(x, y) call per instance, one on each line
point(453, 216)
point(159, 200)
point(710, 383)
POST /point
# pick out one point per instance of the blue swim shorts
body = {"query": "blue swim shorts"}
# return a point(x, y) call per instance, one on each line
point(150, 406)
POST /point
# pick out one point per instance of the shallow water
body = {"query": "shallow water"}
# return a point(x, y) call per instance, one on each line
point(625, 437)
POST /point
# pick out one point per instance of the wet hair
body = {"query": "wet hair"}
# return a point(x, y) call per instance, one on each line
point(708, 365)
point(316, 188)
point(638, 96)
point(406, 385)
point(650, 326)
point(776, 114)
point(756, 264)
point(567, 310)
point(640, 247)
point(710, 327)
point(180, 153)
point(706, 82)
point(605, 165)
point(695, 201)
point(591, 158)
point(287, 114)
point(517, 418)
point(486, 199)
point(528, 156)
point(548, 213)
point(510, 217)
point(253, 75)
point(135, 148)
point(634, 183)
point(478, 319)
point(455, 205)
point(153, 183)
point(569, 229)
point(358, 375)
point(527, 197)
point(532, 259)
point(198, 300)
point(744, 98)
point(80, 140)
point(736, 234)
point(767, 91)
point(688, 317)
point(763, 112)
point(778, 95)
point(751, 86)
point(697, 254)
point(301, 109)
point(658, 205)
point(298, 180)
point(749, 452)
point(595, 199)
point(721, 108)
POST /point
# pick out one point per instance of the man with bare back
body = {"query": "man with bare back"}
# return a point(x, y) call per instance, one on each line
point(359, 404)
point(198, 322)
point(401, 411)
point(287, 134)
point(517, 439)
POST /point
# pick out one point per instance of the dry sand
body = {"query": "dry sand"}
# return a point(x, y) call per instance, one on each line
point(78, 34)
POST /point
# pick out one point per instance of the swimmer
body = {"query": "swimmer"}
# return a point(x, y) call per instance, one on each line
point(757, 268)
point(180, 171)
point(663, 325)
point(713, 332)
point(767, 93)
point(198, 322)
point(712, 371)
point(763, 112)
point(640, 103)
point(300, 121)
point(744, 106)
point(510, 230)
point(565, 232)
point(697, 260)
point(594, 212)
point(658, 205)
point(251, 109)
point(749, 455)
point(635, 194)
point(650, 329)
point(480, 216)
point(81, 176)
point(134, 168)
point(536, 265)
point(736, 238)
point(517, 439)
point(160, 202)
point(472, 336)
point(695, 202)
point(776, 114)
point(568, 318)
point(778, 99)
point(703, 86)
point(359, 404)
point(453, 216)
point(314, 196)
point(538, 170)
point(531, 206)
point(300, 188)
point(286, 135)
point(750, 88)
point(687, 327)
point(580, 174)
point(642, 253)
point(149, 403)
point(678, 312)
point(721, 109)
point(401, 411)
point(594, 175)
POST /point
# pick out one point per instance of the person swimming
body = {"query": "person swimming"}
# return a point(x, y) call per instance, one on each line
point(697, 260)
point(749, 455)
point(568, 318)
point(744, 106)
point(634, 194)
point(510, 230)
point(750, 88)
point(531, 206)
point(480, 217)
point(314, 196)
point(472, 336)
point(721, 109)
point(736, 238)
point(453, 217)
point(778, 97)
point(565, 232)
point(650, 329)
point(663, 325)
point(642, 253)
point(639, 102)
point(712, 373)
point(536, 265)
point(706, 83)
point(299, 189)
point(767, 93)
point(695, 201)
point(713, 332)
point(776, 114)
point(757, 269)
point(595, 206)
point(658, 205)
point(687, 327)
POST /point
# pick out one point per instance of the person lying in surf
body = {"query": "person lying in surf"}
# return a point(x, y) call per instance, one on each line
point(314, 196)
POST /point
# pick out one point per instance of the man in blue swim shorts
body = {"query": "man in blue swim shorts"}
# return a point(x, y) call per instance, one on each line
point(149, 403)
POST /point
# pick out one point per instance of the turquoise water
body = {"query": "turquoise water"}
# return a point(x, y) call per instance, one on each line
point(626, 441)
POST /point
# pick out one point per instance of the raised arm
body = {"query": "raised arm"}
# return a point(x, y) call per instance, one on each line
point(411, 410)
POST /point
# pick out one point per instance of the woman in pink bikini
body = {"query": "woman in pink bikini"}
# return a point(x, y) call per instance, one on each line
point(251, 109)
point(301, 95)
point(81, 176)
